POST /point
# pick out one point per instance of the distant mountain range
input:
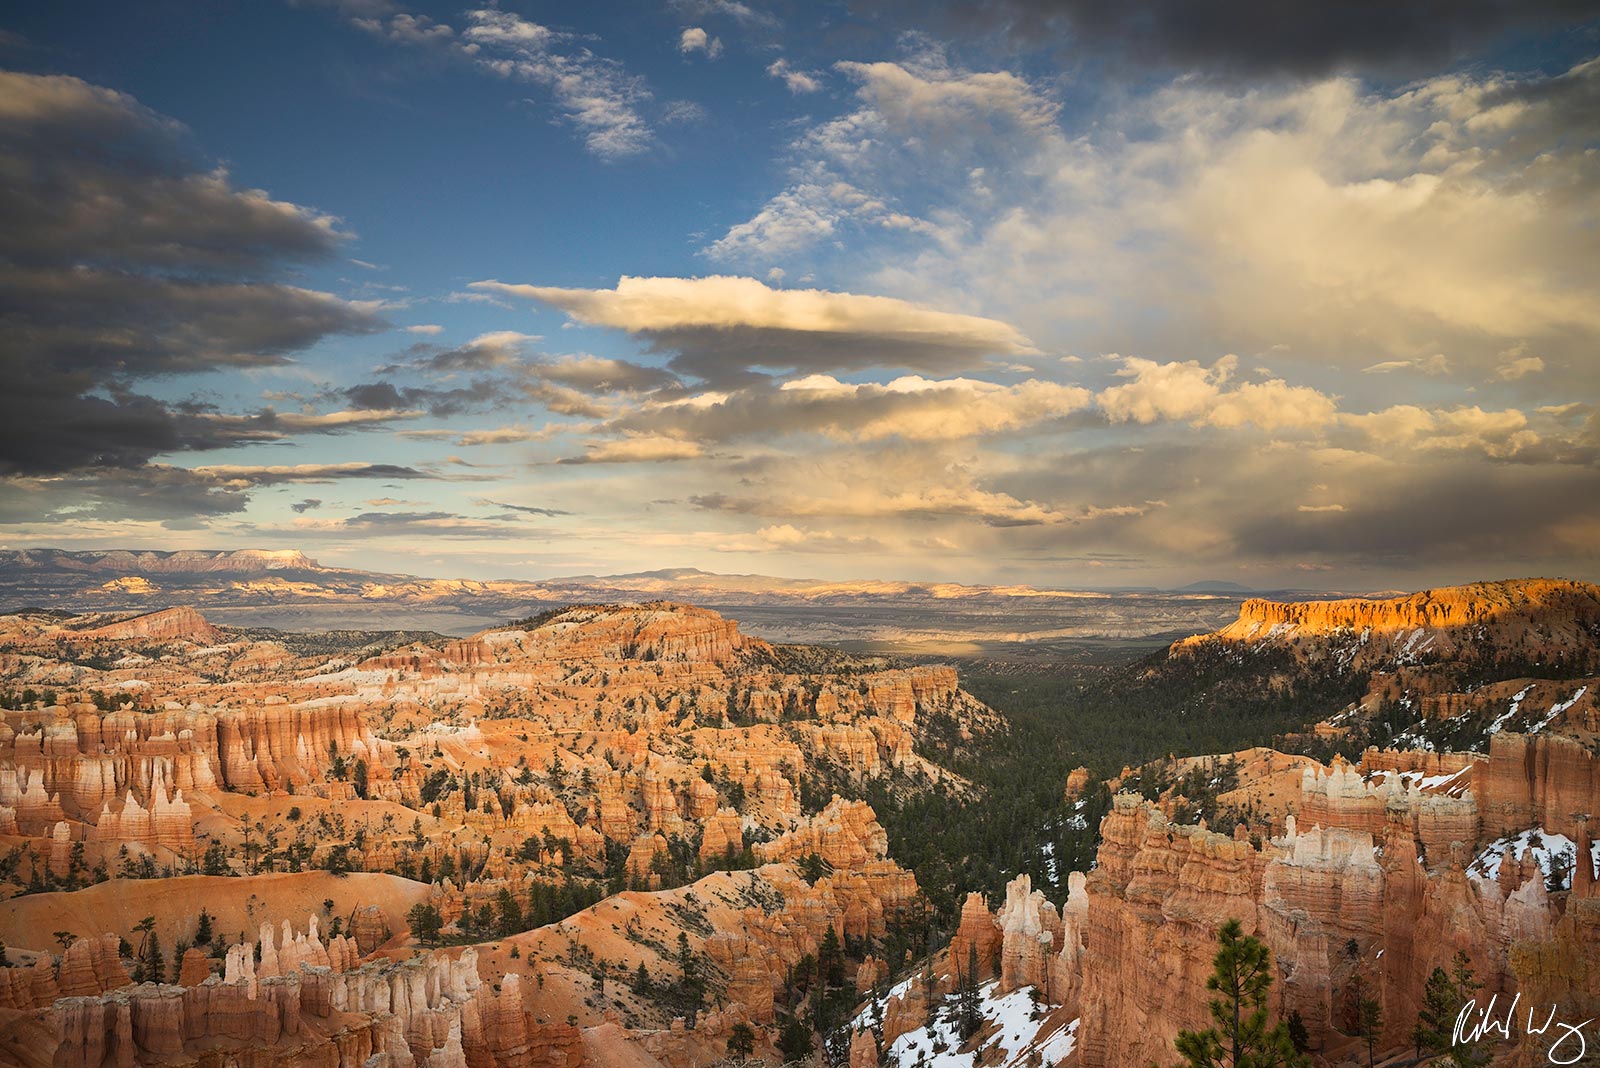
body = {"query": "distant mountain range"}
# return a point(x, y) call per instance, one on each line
point(285, 588)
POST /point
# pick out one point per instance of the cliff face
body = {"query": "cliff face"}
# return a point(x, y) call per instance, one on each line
point(1571, 608)
point(1532, 620)
point(1538, 780)
point(1378, 866)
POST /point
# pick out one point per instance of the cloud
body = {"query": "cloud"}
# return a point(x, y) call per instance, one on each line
point(504, 435)
point(1253, 37)
point(644, 448)
point(389, 401)
point(741, 13)
point(1335, 223)
point(596, 95)
point(694, 39)
point(1203, 396)
point(910, 408)
point(243, 475)
point(175, 496)
point(1499, 434)
point(122, 259)
point(403, 524)
point(918, 117)
point(430, 329)
point(595, 374)
point(796, 80)
point(787, 537)
point(1437, 364)
point(1518, 367)
point(488, 351)
point(307, 505)
point(507, 372)
point(873, 486)
point(721, 327)
point(928, 92)
point(548, 513)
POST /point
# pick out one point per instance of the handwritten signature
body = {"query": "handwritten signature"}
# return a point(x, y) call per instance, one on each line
point(1474, 1023)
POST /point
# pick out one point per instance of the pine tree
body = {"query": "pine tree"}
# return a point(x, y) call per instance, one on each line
point(202, 932)
point(1241, 1037)
point(1299, 1037)
point(1443, 997)
point(794, 1041)
point(511, 919)
point(1369, 1022)
point(1440, 1003)
point(969, 1012)
point(155, 965)
point(425, 922)
point(741, 1041)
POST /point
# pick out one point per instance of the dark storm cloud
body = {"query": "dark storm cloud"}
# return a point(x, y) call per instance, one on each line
point(508, 375)
point(1257, 37)
point(440, 402)
point(152, 492)
point(240, 475)
point(175, 496)
point(1450, 512)
point(123, 258)
point(593, 374)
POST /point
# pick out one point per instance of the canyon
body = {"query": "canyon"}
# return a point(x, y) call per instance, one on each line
point(627, 833)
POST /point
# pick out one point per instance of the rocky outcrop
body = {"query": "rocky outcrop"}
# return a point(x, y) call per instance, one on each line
point(654, 631)
point(1537, 780)
point(1341, 796)
point(169, 624)
point(1561, 971)
point(278, 745)
point(91, 966)
point(1523, 620)
point(863, 1050)
point(1160, 891)
point(168, 821)
point(975, 947)
point(845, 834)
point(433, 1012)
point(722, 837)
point(1479, 604)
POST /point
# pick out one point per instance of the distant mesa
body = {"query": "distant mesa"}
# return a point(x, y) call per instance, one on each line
point(1515, 623)
point(285, 588)
point(1521, 601)
point(153, 562)
point(1213, 586)
point(130, 584)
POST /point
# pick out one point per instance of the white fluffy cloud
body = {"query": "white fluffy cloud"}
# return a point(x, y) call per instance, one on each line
point(797, 81)
point(1203, 396)
point(723, 325)
point(696, 39)
point(596, 95)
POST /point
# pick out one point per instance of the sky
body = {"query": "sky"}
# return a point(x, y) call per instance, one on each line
point(1015, 291)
